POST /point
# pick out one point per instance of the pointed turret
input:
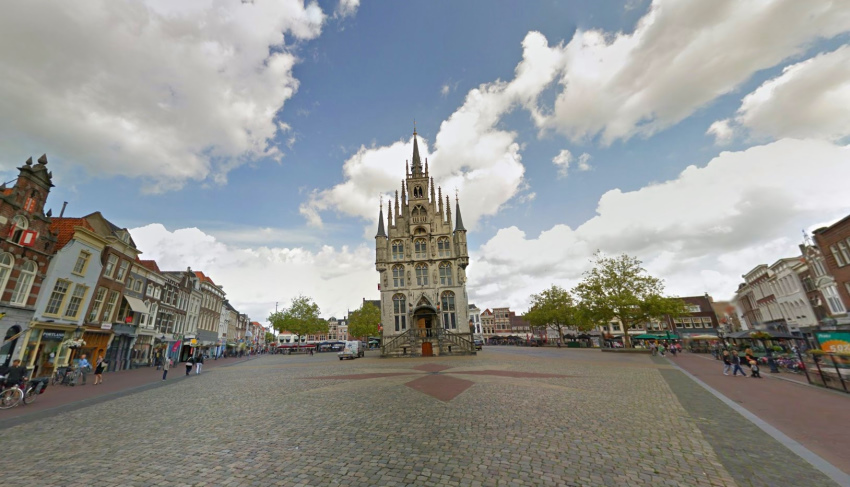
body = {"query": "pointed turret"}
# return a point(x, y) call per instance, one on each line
point(426, 167)
point(389, 215)
point(433, 198)
point(458, 220)
point(417, 162)
point(440, 199)
point(381, 232)
point(448, 211)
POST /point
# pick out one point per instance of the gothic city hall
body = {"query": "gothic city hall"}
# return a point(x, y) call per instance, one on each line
point(422, 263)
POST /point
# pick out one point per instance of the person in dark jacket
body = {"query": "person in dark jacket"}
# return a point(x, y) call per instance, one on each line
point(189, 363)
point(199, 362)
point(736, 364)
point(15, 374)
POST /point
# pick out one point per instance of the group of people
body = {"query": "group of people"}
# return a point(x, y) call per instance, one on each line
point(194, 360)
point(662, 349)
point(733, 361)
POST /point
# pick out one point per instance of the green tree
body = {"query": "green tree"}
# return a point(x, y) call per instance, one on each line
point(300, 318)
point(620, 288)
point(364, 322)
point(556, 308)
point(270, 338)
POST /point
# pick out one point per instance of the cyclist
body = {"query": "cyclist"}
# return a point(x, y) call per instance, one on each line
point(15, 374)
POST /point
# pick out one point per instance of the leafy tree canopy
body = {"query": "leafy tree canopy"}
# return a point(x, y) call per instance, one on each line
point(364, 322)
point(300, 318)
point(620, 288)
point(557, 308)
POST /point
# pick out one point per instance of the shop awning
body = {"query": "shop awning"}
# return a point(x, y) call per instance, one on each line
point(136, 305)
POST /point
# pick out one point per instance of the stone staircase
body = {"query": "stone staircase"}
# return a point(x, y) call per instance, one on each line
point(443, 342)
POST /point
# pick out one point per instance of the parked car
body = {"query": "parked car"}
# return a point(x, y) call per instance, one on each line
point(479, 343)
point(352, 350)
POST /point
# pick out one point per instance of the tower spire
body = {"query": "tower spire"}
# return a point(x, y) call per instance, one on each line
point(381, 232)
point(440, 199)
point(433, 199)
point(417, 162)
point(458, 219)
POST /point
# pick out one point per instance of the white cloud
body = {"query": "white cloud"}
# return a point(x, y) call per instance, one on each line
point(699, 232)
point(255, 278)
point(681, 55)
point(445, 89)
point(347, 8)
point(562, 162)
point(809, 99)
point(722, 131)
point(166, 91)
point(584, 162)
point(470, 153)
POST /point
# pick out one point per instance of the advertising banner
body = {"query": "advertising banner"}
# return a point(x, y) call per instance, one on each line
point(834, 341)
point(175, 347)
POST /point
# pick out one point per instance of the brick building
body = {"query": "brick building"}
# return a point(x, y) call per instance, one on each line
point(834, 244)
point(25, 251)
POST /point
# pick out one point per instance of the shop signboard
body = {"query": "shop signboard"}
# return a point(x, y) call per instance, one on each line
point(53, 335)
point(834, 341)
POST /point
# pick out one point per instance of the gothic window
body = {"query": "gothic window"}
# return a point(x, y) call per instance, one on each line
point(19, 226)
point(24, 285)
point(443, 249)
point(445, 274)
point(420, 248)
point(419, 214)
point(422, 274)
point(398, 276)
point(399, 312)
point(447, 306)
point(398, 250)
point(417, 191)
point(6, 263)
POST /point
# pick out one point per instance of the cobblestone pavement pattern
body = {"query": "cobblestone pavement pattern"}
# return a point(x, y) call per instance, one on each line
point(614, 420)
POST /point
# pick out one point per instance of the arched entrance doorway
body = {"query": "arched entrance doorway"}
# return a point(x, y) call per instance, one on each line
point(8, 346)
point(425, 321)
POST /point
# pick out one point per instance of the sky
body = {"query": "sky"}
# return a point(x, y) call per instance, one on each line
point(255, 140)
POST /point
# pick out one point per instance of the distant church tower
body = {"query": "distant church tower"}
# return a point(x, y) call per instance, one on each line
point(422, 264)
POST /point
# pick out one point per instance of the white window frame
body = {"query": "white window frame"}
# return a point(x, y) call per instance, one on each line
point(57, 297)
point(23, 287)
point(7, 263)
point(75, 300)
point(400, 312)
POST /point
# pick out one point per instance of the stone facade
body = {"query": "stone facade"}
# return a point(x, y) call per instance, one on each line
point(421, 262)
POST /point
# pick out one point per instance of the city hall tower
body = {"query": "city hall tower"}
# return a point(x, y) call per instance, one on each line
point(421, 260)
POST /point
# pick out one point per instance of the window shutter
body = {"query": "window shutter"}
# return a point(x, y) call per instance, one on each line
point(29, 205)
point(28, 238)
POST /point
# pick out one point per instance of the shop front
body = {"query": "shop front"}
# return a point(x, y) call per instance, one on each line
point(141, 354)
point(118, 353)
point(97, 342)
point(44, 349)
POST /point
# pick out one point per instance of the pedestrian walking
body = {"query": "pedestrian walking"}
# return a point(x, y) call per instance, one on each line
point(727, 362)
point(189, 363)
point(166, 364)
point(84, 367)
point(199, 362)
point(736, 364)
point(753, 363)
point(673, 350)
point(98, 370)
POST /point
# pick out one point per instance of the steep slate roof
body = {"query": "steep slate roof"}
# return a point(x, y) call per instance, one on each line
point(110, 227)
point(63, 228)
point(149, 265)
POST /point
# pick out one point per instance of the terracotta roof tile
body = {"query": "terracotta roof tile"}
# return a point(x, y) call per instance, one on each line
point(64, 229)
point(149, 265)
point(204, 277)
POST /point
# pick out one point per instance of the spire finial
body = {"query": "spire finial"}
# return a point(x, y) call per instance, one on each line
point(414, 126)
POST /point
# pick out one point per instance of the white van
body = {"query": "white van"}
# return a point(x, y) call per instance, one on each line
point(352, 350)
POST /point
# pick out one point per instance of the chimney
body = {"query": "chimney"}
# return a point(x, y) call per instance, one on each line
point(62, 213)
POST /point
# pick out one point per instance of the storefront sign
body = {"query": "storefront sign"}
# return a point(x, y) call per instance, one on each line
point(53, 335)
point(106, 326)
point(834, 341)
point(175, 347)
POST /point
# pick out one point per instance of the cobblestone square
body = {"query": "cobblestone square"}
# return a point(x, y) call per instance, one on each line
point(511, 416)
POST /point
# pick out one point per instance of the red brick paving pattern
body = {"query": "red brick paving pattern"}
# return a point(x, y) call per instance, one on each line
point(817, 418)
point(442, 387)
